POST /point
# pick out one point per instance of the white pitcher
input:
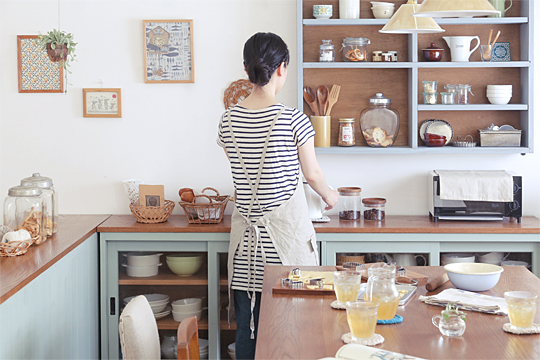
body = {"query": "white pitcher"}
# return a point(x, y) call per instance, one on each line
point(315, 203)
point(460, 47)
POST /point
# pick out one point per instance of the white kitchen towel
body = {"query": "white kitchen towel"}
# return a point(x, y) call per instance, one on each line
point(467, 300)
point(485, 185)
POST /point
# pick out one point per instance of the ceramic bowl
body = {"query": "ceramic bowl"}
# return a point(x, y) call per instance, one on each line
point(457, 258)
point(473, 276)
point(498, 93)
point(187, 305)
point(428, 136)
point(142, 258)
point(158, 302)
point(382, 12)
point(184, 264)
point(231, 350)
point(381, 4)
point(514, 263)
point(178, 316)
point(499, 87)
point(142, 271)
point(322, 11)
point(435, 142)
point(499, 100)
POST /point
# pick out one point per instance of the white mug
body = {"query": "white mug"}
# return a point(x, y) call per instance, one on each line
point(460, 47)
point(408, 259)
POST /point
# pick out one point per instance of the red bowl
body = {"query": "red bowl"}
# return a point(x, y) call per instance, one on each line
point(435, 142)
point(429, 136)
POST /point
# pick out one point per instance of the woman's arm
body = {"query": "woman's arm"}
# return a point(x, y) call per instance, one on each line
point(314, 175)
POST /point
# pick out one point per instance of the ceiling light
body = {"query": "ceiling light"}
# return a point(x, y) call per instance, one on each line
point(455, 8)
point(403, 23)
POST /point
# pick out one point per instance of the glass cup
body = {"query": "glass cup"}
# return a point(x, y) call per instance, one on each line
point(448, 98)
point(449, 323)
point(347, 285)
point(485, 52)
point(521, 308)
point(362, 318)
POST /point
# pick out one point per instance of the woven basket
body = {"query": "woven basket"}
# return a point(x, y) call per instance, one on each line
point(206, 213)
point(236, 92)
point(15, 248)
point(152, 214)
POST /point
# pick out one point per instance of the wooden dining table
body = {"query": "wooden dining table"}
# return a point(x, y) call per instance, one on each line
point(307, 327)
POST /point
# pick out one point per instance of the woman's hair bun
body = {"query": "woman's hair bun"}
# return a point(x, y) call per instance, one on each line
point(263, 54)
point(259, 72)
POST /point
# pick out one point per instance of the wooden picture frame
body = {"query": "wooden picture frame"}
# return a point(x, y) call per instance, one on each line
point(37, 73)
point(168, 51)
point(102, 103)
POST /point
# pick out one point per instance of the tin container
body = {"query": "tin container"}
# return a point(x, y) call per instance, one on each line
point(507, 138)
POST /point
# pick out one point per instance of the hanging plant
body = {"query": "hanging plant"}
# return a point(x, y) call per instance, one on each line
point(60, 48)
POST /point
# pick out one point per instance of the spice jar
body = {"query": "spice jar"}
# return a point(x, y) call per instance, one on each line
point(50, 200)
point(394, 55)
point(354, 48)
point(386, 57)
point(346, 132)
point(430, 86)
point(379, 122)
point(326, 51)
point(374, 208)
point(23, 209)
point(463, 94)
point(448, 98)
point(430, 98)
point(377, 56)
point(350, 203)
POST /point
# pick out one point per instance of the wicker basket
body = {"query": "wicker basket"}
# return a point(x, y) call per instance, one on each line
point(152, 214)
point(205, 213)
point(14, 248)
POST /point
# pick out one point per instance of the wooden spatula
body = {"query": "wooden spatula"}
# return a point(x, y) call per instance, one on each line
point(333, 98)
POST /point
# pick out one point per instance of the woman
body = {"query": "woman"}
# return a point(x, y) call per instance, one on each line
point(267, 143)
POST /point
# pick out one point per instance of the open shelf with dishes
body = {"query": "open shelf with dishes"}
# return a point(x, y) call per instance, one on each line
point(401, 81)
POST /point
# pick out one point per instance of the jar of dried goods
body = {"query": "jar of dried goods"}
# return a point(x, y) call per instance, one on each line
point(326, 51)
point(50, 200)
point(23, 210)
point(350, 203)
point(463, 94)
point(346, 132)
point(354, 48)
point(379, 122)
point(374, 208)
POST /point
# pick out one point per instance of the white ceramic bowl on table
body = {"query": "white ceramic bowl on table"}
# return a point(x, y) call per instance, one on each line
point(142, 258)
point(142, 271)
point(473, 276)
point(187, 305)
point(158, 302)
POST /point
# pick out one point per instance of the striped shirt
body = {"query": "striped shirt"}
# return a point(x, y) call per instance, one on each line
point(279, 177)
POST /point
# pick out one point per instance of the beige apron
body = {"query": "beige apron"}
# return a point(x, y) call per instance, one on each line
point(289, 227)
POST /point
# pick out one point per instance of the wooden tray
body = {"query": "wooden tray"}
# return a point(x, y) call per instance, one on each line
point(280, 289)
point(422, 279)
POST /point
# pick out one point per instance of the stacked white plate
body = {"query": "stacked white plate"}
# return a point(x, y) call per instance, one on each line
point(456, 258)
point(499, 94)
point(158, 303)
point(203, 348)
point(231, 350)
point(142, 264)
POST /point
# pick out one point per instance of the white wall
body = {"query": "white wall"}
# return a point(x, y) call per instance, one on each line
point(88, 157)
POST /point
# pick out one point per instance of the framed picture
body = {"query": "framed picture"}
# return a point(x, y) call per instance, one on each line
point(168, 51)
point(501, 51)
point(102, 103)
point(37, 73)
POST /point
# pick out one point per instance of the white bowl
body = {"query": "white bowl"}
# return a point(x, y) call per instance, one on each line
point(178, 316)
point(382, 12)
point(473, 276)
point(203, 344)
point(158, 302)
point(187, 305)
point(514, 263)
point(381, 4)
point(499, 100)
point(492, 256)
point(456, 258)
point(498, 93)
point(142, 271)
point(499, 87)
point(142, 258)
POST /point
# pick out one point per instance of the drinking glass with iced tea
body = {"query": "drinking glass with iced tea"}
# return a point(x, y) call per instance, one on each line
point(521, 308)
point(347, 285)
point(362, 318)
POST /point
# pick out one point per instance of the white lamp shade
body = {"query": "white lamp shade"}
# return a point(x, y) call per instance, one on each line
point(455, 8)
point(403, 23)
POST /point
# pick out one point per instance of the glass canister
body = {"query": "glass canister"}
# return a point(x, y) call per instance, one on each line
point(379, 122)
point(350, 203)
point(430, 86)
point(346, 132)
point(451, 88)
point(326, 51)
point(374, 208)
point(463, 94)
point(448, 98)
point(50, 200)
point(354, 48)
point(23, 209)
point(430, 98)
point(381, 288)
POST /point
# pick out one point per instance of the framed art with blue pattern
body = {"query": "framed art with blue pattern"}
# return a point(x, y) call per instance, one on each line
point(501, 51)
point(37, 73)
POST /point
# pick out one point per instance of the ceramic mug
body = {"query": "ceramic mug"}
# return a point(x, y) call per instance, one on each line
point(408, 259)
point(460, 47)
point(499, 5)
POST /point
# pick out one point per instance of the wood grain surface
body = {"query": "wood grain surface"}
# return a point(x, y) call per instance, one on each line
point(16, 272)
point(175, 224)
point(308, 328)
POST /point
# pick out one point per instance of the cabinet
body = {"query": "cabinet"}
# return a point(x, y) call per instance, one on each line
point(402, 81)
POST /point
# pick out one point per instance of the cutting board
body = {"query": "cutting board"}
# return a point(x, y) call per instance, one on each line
point(422, 279)
point(280, 289)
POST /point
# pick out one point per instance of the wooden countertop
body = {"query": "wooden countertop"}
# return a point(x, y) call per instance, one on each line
point(16, 272)
point(392, 224)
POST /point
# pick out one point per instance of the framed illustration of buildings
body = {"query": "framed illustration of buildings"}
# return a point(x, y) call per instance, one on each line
point(102, 103)
point(168, 51)
point(37, 73)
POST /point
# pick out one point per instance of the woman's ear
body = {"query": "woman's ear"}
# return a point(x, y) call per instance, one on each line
point(281, 69)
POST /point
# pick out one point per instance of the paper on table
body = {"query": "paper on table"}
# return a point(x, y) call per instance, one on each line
point(486, 185)
point(467, 300)
point(359, 352)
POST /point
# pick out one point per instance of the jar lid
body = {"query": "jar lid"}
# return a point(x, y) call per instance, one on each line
point(346, 120)
point(349, 191)
point(37, 180)
point(432, 46)
point(464, 86)
point(327, 45)
point(374, 201)
point(379, 99)
point(356, 41)
point(24, 191)
point(377, 52)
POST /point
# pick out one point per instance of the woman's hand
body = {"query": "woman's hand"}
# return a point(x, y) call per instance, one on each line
point(331, 199)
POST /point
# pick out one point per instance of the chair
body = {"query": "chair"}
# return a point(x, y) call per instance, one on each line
point(188, 339)
point(139, 338)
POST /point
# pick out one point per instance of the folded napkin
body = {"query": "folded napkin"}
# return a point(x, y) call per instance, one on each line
point(486, 185)
point(467, 300)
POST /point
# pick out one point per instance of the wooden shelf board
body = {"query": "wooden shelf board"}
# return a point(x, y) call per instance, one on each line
point(165, 278)
point(411, 65)
point(440, 21)
point(422, 150)
point(473, 64)
point(472, 107)
point(168, 323)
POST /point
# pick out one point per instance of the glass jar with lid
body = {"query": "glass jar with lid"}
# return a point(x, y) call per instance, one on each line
point(50, 200)
point(374, 208)
point(346, 132)
point(379, 122)
point(23, 209)
point(463, 94)
point(326, 51)
point(354, 49)
point(350, 203)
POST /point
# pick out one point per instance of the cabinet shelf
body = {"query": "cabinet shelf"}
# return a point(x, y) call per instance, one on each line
point(474, 64)
point(412, 65)
point(472, 107)
point(164, 278)
point(392, 150)
point(168, 323)
point(444, 21)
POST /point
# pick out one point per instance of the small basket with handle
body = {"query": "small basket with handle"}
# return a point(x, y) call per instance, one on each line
point(210, 212)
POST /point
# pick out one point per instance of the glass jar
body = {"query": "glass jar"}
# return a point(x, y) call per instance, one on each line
point(386, 57)
point(374, 208)
point(430, 86)
point(379, 122)
point(377, 56)
point(354, 48)
point(448, 98)
point(50, 200)
point(326, 51)
point(451, 88)
point(381, 288)
point(463, 94)
point(430, 98)
point(350, 203)
point(346, 132)
point(168, 347)
point(394, 55)
point(23, 209)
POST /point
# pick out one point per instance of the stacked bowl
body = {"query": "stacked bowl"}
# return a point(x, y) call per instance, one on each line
point(231, 350)
point(499, 94)
point(493, 258)
point(158, 303)
point(184, 264)
point(184, 308)
point(456, 258)
point(203, 348)
point(382, 10)
point(142, 264)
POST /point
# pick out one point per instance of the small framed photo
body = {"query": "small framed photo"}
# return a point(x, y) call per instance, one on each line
point(102, 103)
point(37, 73)
point(168, 51)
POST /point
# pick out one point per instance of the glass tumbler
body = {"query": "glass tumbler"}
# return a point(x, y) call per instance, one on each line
point(448, 98)
point(521, 308)
point(430, 86)
point(347, 285)
point(362, 318)
point(485, 52)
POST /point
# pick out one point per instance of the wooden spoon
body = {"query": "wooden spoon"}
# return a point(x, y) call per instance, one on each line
point(311, 99)
point(487, 53)
point(496, 37)
point(322, 95)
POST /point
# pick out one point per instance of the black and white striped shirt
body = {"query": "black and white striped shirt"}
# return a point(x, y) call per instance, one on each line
point(279, 177)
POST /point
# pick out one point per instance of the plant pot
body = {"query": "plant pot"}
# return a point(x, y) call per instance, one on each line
point(56, 54)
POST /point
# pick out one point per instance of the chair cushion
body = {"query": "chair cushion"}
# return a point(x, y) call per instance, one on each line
point(138, 330)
